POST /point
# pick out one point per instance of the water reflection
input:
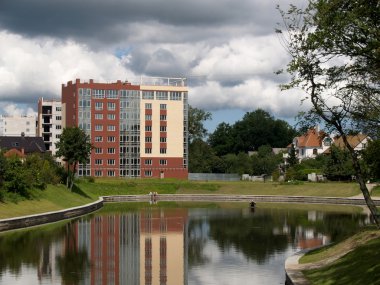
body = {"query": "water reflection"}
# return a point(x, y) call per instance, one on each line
point(169, 246)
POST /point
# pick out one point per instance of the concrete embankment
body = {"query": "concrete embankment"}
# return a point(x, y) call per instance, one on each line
point(39, 219)
point(49, 217)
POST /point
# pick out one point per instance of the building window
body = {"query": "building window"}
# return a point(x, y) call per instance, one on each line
point(111, 173)
point(98, 127)
point(148, 173)
point(148, 106)
point(111, 150)
point(111, 138)
point(98, 116)
point(161, 95)
point(58, 109)
point(162, 106)
point(98, 150)
point(148, 150)
point(147, 95)
point(148, 117)
point(111, 162)
point(98, 105)
point(162, 150)
point(98, 161)
point(98, 138)
point(148, 162)
point(162, 117)
point(163, 162)
point(58, 136)
point(112, 94)
point(148, 139)
point(315, 151)
point(148, 128)
point(162, 128)
point(111, 116)
point(98, 173)
point(176, 96)
point(98, 93)
point(58, 127)
point(111, 128)
point(163, 139)
point(111, 106)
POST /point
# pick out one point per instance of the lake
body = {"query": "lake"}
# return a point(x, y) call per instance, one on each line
point(173, 244)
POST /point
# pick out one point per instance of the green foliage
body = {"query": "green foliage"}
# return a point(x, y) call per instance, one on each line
point(338, 165)
point(305, 167)
point(196, 119)
point(292, 159)
point(371, 157)
point(256, 129)
point(222, 139)
point(265, 161)
point(75, 147)
point(202, 158)
point(20, 176)
point(16, 177)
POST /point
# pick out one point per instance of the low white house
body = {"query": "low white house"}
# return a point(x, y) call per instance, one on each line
point(315, 142)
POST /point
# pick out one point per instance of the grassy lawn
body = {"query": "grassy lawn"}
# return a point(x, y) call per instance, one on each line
point(360, 266)
point(376, 191)
point(58, 197)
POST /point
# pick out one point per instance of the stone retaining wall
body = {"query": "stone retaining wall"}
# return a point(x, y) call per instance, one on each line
point(39, 219)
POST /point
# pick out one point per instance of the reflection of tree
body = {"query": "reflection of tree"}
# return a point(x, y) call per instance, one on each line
point(253, 237)
point(74, 264)
point(24, 248)
point(196, 242)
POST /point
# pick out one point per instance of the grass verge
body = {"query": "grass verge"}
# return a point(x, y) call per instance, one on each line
point(359, 266)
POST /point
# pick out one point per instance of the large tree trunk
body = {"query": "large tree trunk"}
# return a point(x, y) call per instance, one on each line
point(361, 181)
point(72, 178)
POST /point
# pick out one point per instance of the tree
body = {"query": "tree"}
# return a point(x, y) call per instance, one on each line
point(292, 158)
point(75, 147)
point(257, 128)
point(265, 161)
point(335, 58)
point(371, 157)
point(196, 119)
point(202, 157)
point(338, 165)
point(222, 139)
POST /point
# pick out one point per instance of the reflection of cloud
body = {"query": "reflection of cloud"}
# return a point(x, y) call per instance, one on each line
point(232, 267)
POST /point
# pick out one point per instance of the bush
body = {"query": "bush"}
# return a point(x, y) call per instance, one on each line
point(2, 196)
point(90, 179)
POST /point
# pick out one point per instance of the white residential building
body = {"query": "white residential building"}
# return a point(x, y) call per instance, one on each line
point(50, 122)
point(17, 125)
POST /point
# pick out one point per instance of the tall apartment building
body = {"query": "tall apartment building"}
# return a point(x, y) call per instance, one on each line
point(138, 130)
point(50, 122)
point(16, 125)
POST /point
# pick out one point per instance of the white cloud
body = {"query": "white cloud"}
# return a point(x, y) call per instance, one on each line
point(31, 67)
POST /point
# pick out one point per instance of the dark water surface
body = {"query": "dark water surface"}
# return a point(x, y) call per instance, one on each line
point(142, 244)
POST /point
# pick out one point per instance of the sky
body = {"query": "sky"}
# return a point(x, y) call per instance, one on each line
point(228, 51)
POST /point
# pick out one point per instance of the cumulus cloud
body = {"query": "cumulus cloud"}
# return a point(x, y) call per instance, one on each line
point(33, 68)
point(226, 49)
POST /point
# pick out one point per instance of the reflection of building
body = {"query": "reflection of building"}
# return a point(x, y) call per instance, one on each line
point(162, 247)
point(134, 249)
